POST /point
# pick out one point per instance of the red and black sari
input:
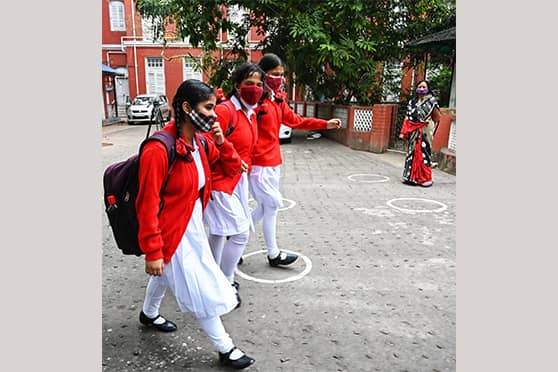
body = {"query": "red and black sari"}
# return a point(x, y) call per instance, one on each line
point(416, 129)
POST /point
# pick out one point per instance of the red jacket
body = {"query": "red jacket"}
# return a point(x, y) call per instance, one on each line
point(271, 115)
point(159, 235)
point(243, 138)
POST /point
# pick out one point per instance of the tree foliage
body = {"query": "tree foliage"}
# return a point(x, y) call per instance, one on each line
point(335, 47)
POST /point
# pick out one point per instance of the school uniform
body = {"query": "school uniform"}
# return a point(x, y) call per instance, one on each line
point(266, 157)
point(266, 168)
point(227, 212)
point(177, 234)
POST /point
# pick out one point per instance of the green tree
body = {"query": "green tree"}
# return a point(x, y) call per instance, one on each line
point(335, 47)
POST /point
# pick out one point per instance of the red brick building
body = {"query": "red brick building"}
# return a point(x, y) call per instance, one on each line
point(146, 66)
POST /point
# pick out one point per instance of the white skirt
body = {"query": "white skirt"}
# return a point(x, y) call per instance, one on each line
point(198, 284)
point(264, 185)
point(228, 215)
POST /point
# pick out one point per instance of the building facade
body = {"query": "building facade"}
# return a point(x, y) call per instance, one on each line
point(148, 66)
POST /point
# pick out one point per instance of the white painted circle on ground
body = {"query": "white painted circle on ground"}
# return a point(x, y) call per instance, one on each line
point(292, 203)
point(442, 207)
point(269, 281)
point(353, 176)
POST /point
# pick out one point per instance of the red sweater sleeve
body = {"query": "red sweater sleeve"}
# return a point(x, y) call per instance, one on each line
point(292, 120)
point(152, 173)
point(224, 156)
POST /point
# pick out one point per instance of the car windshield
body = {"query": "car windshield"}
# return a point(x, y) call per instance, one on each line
point(143, 100)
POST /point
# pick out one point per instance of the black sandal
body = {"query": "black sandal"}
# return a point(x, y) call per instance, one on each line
point(240, 363)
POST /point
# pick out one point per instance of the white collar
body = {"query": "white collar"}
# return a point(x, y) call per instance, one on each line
point(238, 106)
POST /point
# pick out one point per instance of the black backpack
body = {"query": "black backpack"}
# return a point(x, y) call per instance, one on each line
point(120, 182)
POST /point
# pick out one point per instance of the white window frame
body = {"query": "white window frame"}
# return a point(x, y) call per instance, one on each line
point(188, 71)
point(147, 30)
point(235, 13)
point(392, 88)
point(152, 87)
point(117, 16)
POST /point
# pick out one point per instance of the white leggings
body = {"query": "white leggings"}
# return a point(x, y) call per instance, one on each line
point(269, 216)
point(228, 252)
point(212, 326)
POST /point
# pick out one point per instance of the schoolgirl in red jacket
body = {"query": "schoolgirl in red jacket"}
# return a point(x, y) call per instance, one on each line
point(177, 253)
point(266, 159)
point(228, 214)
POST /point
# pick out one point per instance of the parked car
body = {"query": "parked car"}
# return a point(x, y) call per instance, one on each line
point(285, 133)
point(142, 108)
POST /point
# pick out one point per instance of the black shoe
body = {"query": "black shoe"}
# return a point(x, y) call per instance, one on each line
point(240, 261)
point(283, 258)
point(240, 363)
point(236, 285)
point(167, 326)
point(239, 301)
point(407, 182)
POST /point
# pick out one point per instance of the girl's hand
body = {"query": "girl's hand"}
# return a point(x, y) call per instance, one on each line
point(154, 267)
point(243, 167)
point(217, 132)
point(334, 123)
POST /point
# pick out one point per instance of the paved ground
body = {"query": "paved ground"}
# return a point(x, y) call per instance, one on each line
point(379, 296)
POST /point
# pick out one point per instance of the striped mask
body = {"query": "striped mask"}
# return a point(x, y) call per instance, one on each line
point(201, 121)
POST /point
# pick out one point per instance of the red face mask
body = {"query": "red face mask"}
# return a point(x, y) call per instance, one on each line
point(251, 94)
point(274, 82)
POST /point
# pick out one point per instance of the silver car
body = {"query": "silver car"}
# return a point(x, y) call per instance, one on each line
point(285, 133)
point(142, 108)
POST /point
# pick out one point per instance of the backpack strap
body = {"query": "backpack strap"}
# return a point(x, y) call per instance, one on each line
point(203, 142)
point(170, 145)
point(233, 115)
point(166, 139)
point(259, 115)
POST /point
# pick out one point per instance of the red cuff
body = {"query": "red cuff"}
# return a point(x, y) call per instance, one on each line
point(156, 255)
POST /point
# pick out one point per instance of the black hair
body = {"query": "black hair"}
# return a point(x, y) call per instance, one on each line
point(415, 94)
point(427, 84)
point(242, 72)
point(269, 61)
point(192, 91)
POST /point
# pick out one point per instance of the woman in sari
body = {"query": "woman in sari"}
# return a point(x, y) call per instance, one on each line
point(422, 112)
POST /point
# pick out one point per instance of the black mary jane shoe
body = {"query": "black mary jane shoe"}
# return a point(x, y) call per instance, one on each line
point(167, 326)
point(240, 363)
point(283, 258)
point(236, 285)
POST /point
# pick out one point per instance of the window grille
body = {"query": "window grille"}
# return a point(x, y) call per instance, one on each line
point(148, 26)
point(362, 120)
point(155, 75)
point(116, 14)
point(392, 81)
point(190, 71)
point(300, 108)
point(310, 110)
point(323, 111)
point(341, 113)
point(452, 145)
